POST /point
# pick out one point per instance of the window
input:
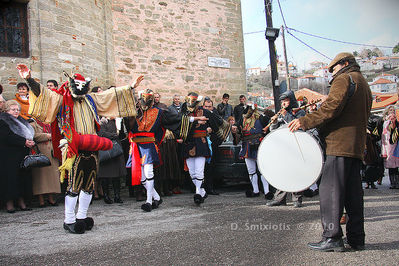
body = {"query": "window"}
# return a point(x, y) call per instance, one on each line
point(13, 30)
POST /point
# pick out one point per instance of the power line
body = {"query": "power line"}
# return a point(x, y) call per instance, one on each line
point(253, 32)
point(259, 59)
point(282, 15)
point(329, 39)
point(309, 46)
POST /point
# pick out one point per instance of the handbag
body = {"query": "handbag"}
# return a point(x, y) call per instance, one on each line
point(112, 153)
point(35, 159)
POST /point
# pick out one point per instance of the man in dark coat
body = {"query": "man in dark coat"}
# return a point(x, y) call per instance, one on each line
point(224, 108)
point(239, 108)
point(342, 120)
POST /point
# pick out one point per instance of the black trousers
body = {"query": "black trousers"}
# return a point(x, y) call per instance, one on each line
point(341, 186)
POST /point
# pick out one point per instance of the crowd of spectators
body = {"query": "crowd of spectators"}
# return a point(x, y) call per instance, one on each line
point(20, 134)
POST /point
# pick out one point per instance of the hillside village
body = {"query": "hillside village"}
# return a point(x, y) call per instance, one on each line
point(382, 74)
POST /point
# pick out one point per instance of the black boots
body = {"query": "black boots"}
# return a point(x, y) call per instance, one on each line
point(116, 184)
point(116, 187)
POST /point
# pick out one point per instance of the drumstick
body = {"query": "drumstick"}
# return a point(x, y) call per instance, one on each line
point(296, 139)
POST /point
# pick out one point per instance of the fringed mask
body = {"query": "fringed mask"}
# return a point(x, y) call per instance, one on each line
point(192, 101)
point(251, 108)
point(79, 85)
point(146, 99)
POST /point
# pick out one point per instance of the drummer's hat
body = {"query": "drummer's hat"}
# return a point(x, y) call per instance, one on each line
point(339, 57)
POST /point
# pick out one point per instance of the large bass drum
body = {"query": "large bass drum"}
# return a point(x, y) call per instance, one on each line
point(290, 161)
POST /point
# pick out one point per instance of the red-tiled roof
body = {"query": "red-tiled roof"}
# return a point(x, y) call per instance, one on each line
point(382, 81)
point(391, 100)
point(307, 76)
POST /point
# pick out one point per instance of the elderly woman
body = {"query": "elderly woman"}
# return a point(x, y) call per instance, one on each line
point(45, 180)
point(16, 138)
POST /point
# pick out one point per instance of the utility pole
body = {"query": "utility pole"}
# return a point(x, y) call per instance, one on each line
point(273, 56)
point(285, 58)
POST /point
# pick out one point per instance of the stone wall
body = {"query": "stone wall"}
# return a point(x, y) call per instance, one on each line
point(115, 41)
point(169, 42)
point(72, 35)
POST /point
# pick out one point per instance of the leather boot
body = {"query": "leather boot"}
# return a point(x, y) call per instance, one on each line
point(105, 186)
point(116, 184)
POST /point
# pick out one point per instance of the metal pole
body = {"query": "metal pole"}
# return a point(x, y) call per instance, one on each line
point(273, 57)
point(285, 59)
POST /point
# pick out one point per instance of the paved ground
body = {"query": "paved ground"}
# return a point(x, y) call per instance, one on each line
point(227, 229)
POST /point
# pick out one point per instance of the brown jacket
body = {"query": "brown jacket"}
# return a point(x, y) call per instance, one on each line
point(342, 120)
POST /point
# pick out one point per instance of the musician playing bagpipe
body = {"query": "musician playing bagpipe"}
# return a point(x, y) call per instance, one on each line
point(250, 131)
point(288, 112)
point(194, 138)
point(74, 116)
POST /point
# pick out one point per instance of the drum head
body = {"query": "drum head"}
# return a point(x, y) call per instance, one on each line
point(290, 161)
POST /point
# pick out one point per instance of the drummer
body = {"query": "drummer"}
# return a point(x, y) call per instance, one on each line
point(284, 116)
point(342, 120)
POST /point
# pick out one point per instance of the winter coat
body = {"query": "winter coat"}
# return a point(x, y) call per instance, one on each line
point(45, 179)
point(14, 182)
point(342, 118)
point(114, 167)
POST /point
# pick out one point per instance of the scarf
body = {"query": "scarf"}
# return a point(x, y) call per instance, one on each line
point(18, 126)
point(66, 120)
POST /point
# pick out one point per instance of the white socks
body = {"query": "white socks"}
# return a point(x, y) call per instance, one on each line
point(84, 203)
point(265, 184)
point(70, 204)
point(254, 181)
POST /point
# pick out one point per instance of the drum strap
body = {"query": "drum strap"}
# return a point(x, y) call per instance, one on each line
point(352, 86)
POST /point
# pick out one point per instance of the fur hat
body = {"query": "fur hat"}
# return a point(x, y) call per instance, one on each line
point(338, 58)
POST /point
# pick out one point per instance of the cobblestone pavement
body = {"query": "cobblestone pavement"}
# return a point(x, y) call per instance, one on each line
point(227, 229)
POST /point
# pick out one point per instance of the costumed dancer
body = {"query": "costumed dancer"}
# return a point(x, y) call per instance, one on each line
point(195, 144)
point(250, 131)
point(146, 133)
point(74, 117)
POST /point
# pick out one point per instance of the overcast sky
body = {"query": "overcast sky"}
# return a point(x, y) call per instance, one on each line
point(374, 22)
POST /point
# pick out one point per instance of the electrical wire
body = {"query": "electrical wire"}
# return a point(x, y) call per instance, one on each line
point(246, 33)
point(260, 59)
point(282, 15)
point(329, 39)
point(308, 45)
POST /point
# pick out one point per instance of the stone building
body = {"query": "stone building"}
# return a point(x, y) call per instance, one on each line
point(178, 45)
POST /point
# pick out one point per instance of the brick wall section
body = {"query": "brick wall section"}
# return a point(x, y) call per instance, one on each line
point(72, 35)
point(169, 42)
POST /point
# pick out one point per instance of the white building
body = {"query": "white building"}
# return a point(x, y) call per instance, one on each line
point(384, 86)
point(323, 72)
point(253, 71)
point(390, 77)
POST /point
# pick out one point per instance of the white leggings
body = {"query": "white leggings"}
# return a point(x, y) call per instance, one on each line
point(196, 169)
point(147, 179)
point(253, 176)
